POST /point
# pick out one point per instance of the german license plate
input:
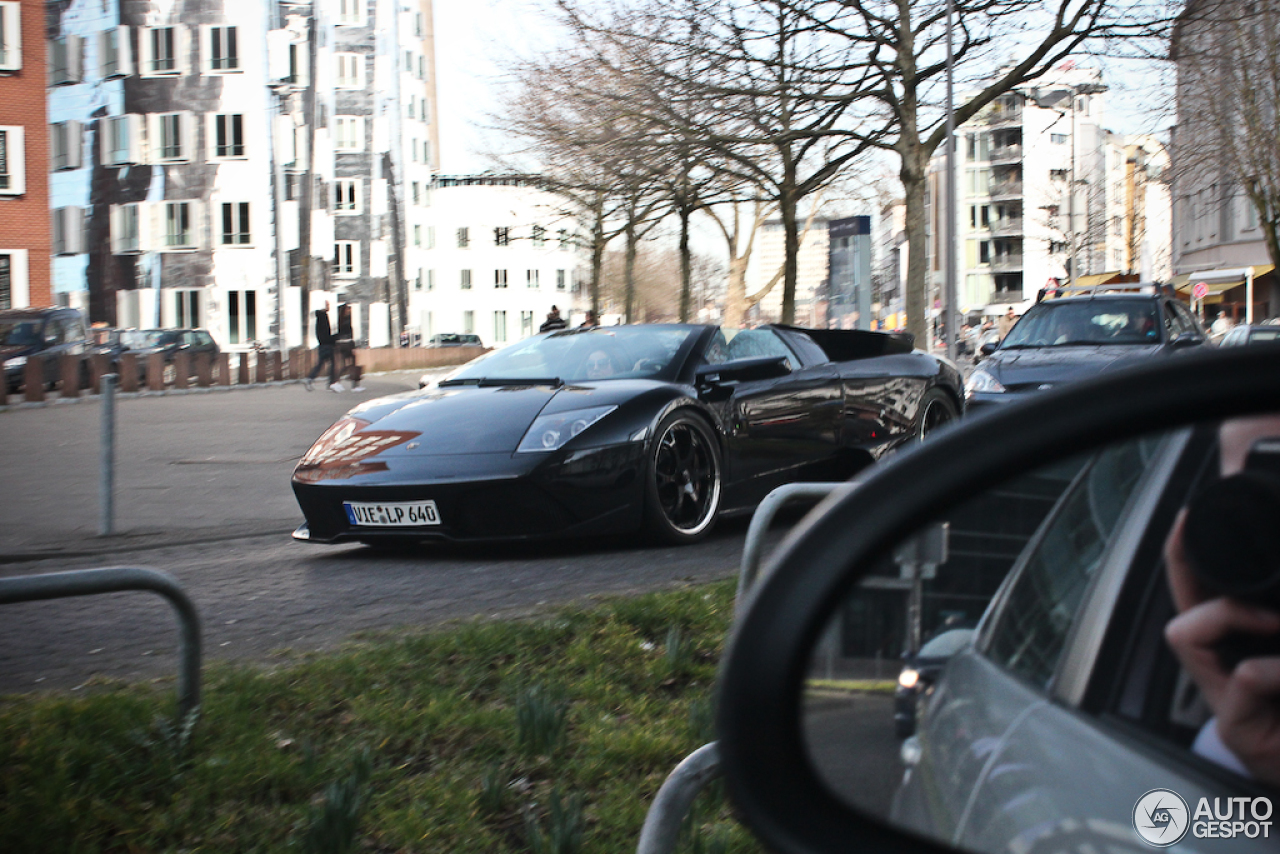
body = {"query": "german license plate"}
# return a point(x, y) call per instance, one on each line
point(395, 514)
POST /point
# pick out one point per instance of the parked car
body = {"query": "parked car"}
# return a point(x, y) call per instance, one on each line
point(1250, 334)
point(454, 339)
point(602, 430)
point(40, 333)
point(920, 670)
point(144, 343)
point(1068, 723)
point(1081, 334)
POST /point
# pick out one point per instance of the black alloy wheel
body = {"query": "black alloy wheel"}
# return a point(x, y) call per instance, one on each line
point(936, 409)
point(683, 490)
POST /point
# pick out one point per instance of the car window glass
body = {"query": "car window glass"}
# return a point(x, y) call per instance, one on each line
point(756, 343)
point(1085, 322)
point(1029, 630)
point(717, 352)
point(53, 332)
point(1188, 320)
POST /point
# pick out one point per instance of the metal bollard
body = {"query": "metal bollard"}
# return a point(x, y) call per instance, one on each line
point(107, 487)
point(116, 579)
point(662, 824)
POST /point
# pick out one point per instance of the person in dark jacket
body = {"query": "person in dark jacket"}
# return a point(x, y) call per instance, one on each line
point(347, 350)
point(553, 321)
point(324, 352)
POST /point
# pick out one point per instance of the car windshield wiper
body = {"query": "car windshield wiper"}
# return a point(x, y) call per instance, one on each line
point(486, 382)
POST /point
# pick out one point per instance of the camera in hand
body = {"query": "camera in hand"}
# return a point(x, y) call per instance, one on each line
point(1232, 538)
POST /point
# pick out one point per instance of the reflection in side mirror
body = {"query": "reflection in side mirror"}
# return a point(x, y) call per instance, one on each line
point(989, 347)
point(943, 694)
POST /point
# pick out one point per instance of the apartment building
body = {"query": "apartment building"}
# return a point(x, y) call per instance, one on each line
point(25, 278)
point(1046, 196)
point(231, 166)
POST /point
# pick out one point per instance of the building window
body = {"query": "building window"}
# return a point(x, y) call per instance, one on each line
point(469, 322)
point(348, 133)
point(563, 236)
point(6, 271)
point(417, 236)
point(502, 236)
point(465, 280)
point(499, 278)
point(416, 192)
point(228, 135)
point(526, 324)
point(431, 280)
point(346, 196)
point(539, 237)
point(179, 222)
point(65, 145)
point(559, 280)
point(12, 159)
point(242, 316)
point(1058, 138)
point(125, 234)
point(350, 70)
point(350, 13)
point(66, 60)
point(532, 279)
point(422, 68)
point(500, 326)
point(68, 231)
point(235, 224)
point(162, 50)
point(123, 140)
point(114, 57)
point(297, 75)
point(10, 46)
point(464, 237)
point(223, 53)
point(171, 136)
point(346, 258)
point(431, 237)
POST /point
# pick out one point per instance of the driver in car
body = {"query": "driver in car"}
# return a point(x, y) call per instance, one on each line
point(599, 365)
point(1244, 696)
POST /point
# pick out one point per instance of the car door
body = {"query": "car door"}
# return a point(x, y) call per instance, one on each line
point(779, 425)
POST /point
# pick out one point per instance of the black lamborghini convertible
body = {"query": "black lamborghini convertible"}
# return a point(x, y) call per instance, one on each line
point(613, 429)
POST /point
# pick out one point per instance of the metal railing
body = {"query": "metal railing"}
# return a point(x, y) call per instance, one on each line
point(117, 579)
point(661, 829)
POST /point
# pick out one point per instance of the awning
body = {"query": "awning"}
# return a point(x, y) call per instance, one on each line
point(1095, 279)
point(1220, 280)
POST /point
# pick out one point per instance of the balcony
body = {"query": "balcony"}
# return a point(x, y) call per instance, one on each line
point(1007, 297)
point(1007, 262)
point(1010, 226)
point(1005, 189)
point(1006, 154)
point(1000, 114)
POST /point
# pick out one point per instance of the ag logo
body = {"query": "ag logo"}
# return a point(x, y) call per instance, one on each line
point(1161, 817)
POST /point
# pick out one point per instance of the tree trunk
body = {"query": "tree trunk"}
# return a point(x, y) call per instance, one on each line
point(791, 253)
point(914, 179)
point(629, 268)
point(686, 268)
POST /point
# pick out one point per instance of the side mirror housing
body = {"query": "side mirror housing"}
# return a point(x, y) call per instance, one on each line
point(989, 347)
point(709, 378)
point(1185, 340)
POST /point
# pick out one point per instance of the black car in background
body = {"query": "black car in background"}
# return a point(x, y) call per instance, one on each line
point(39, 333)
point(454, 339)
point(920, 671)
point(144, 343)
point(1086, 332)
point(1251, 334)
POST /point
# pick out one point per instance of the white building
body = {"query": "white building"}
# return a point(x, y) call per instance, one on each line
point(811, 270)
point(231, 166)
point(1046, 196)
point(500, 252)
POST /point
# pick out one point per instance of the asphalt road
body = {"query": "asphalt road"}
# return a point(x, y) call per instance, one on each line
point(203, 493)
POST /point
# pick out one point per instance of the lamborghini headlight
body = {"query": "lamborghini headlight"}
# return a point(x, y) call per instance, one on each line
point(550, 432)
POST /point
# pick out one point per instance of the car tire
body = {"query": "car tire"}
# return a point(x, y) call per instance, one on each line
point(936, 409)
point(683, 480)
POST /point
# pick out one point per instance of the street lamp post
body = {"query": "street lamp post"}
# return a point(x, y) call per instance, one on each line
point(949, 296)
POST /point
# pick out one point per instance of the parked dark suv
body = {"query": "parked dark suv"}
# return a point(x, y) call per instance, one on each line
point(1079, 334)
point(39, 333)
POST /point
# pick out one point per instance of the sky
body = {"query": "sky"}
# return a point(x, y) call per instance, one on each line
point(473, 37)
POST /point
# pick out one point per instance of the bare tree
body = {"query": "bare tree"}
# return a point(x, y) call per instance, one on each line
point(906, 45)
point(1227, 140)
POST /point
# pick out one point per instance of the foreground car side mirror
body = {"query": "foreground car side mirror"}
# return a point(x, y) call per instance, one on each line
point(1186, 339)
point(989, 347)
point(806, 726)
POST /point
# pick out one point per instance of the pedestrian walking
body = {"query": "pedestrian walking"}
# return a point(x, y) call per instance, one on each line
point(325, 351)
point(346, 345)
point(1006, 322)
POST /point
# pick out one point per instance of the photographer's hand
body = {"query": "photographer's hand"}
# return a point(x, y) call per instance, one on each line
point(1246, 700)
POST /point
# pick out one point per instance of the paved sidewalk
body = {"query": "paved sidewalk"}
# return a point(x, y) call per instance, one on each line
point(198, 466)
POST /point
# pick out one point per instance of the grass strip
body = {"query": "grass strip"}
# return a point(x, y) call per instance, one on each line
point(551, 734)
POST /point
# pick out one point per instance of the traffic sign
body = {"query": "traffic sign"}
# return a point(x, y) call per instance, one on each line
point(1200, 291)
